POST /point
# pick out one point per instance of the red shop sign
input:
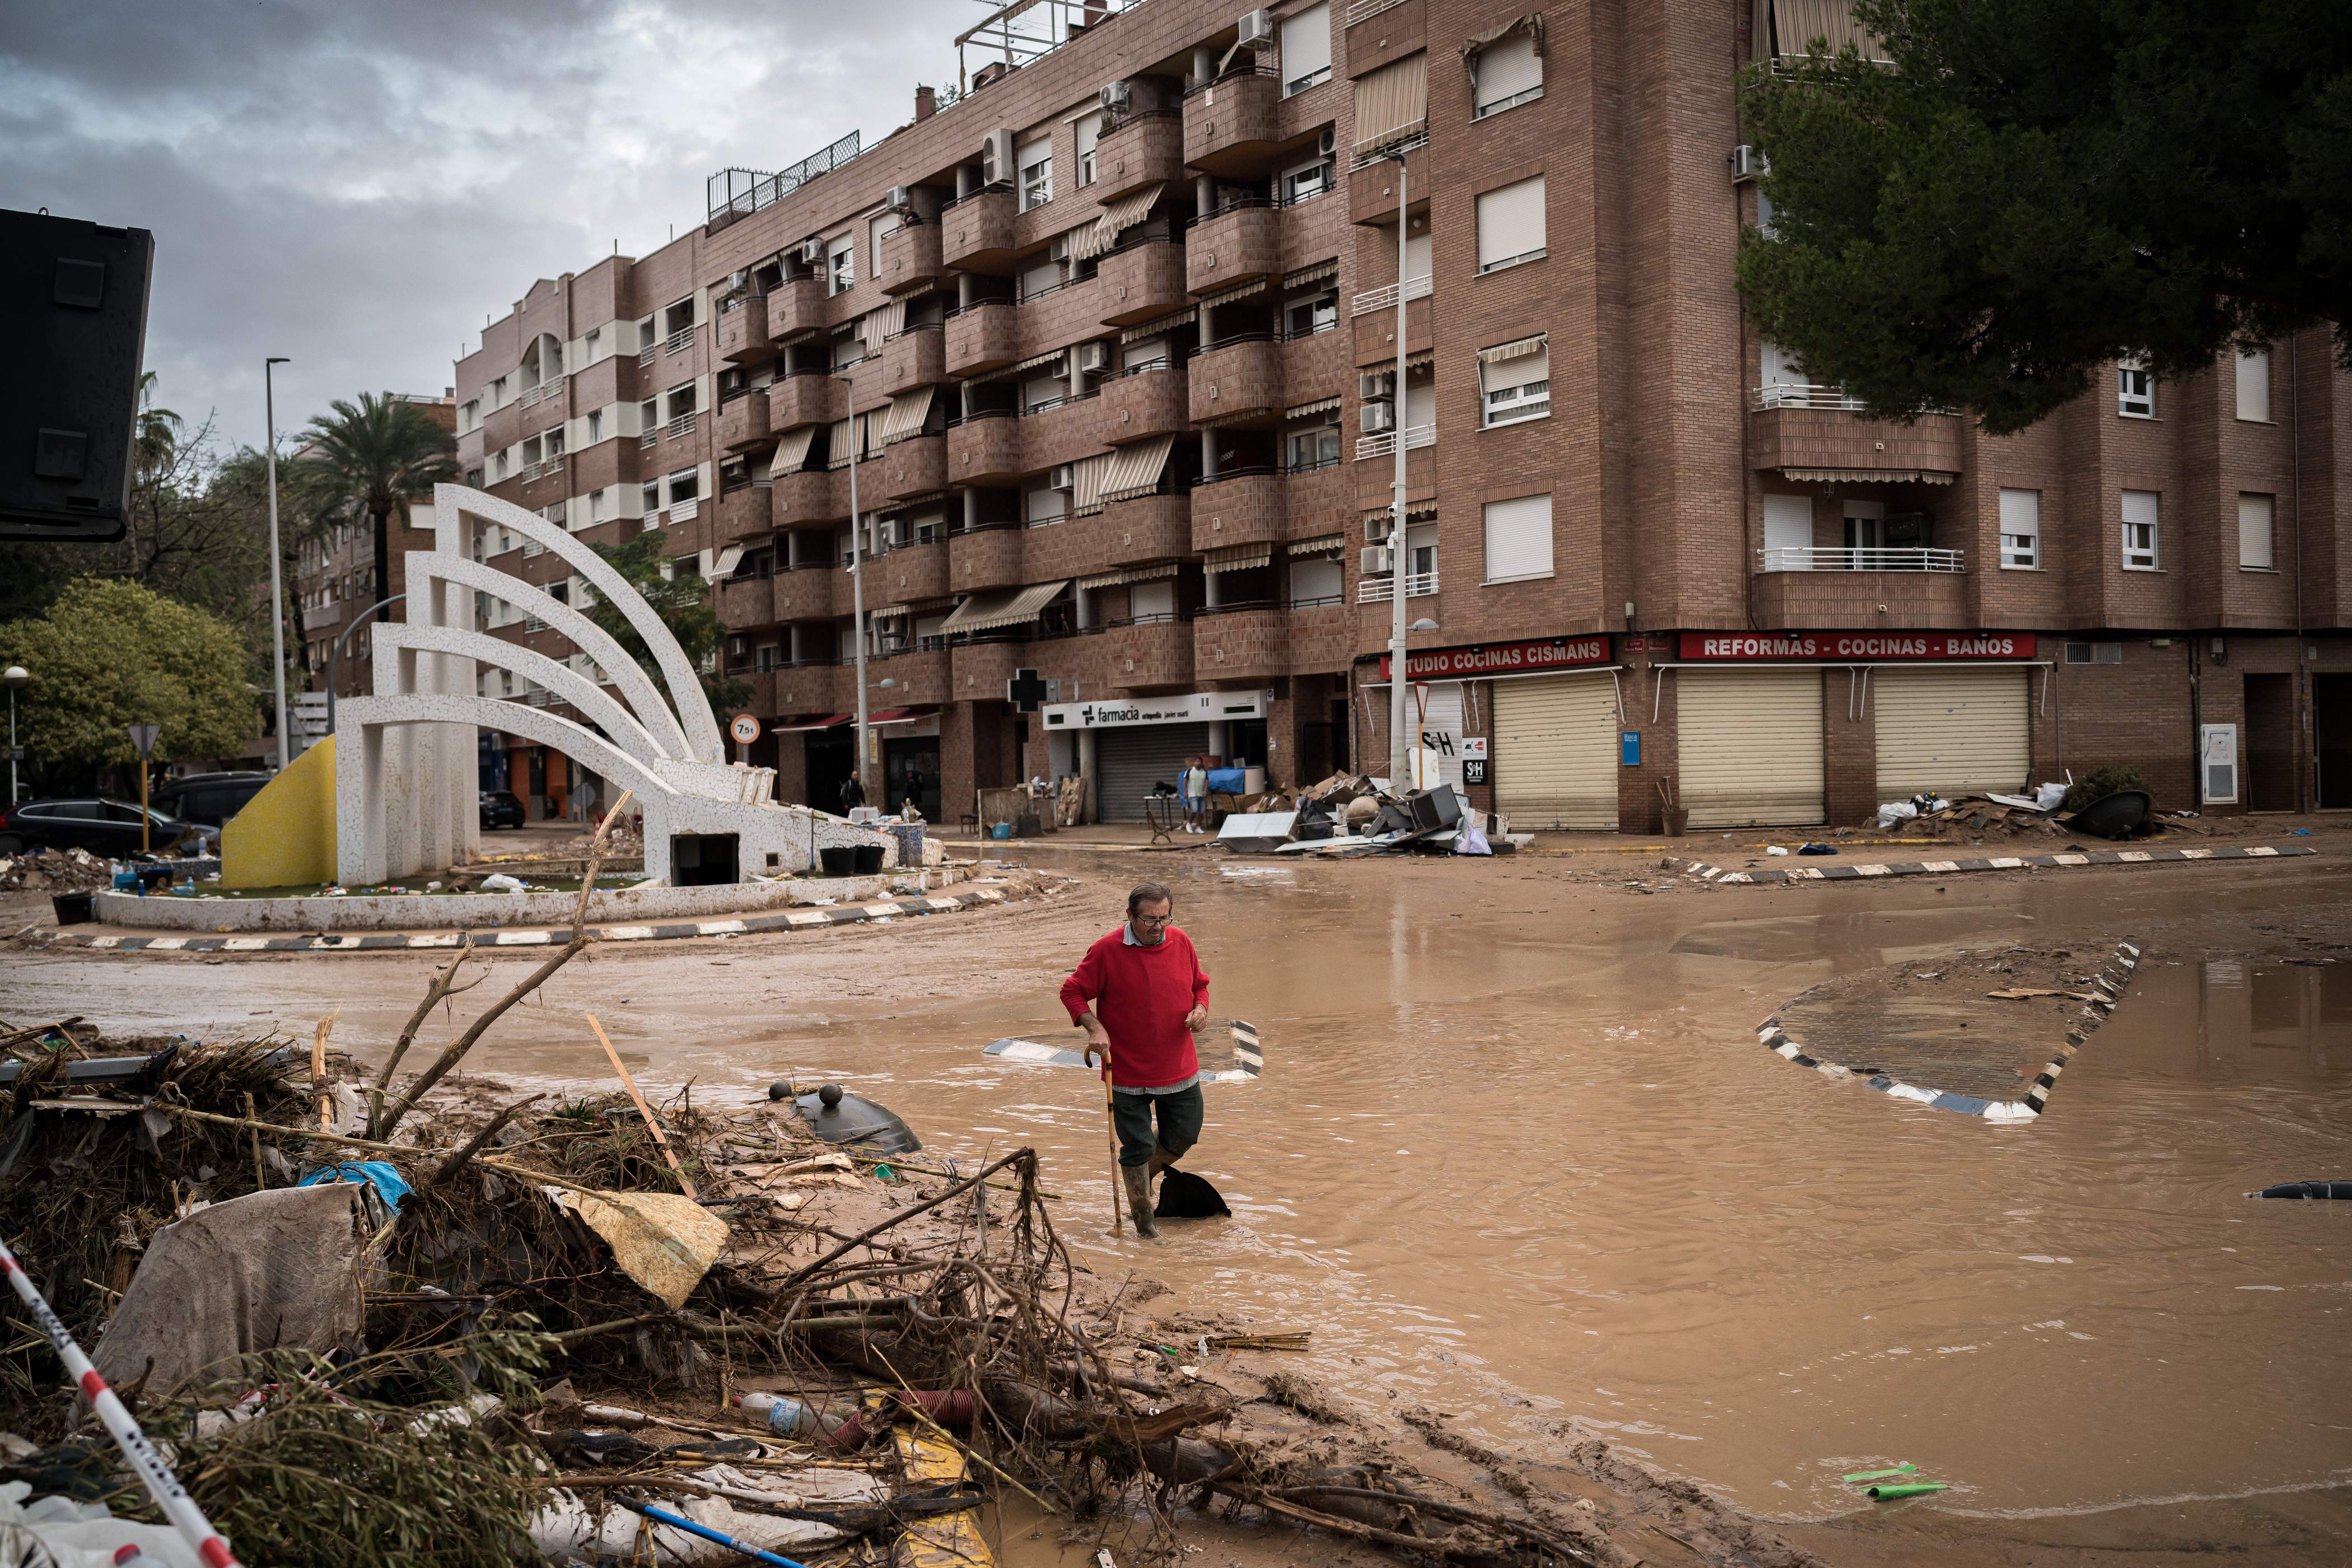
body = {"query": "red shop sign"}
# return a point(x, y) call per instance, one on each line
point(1500, 658)
point(1857, 646)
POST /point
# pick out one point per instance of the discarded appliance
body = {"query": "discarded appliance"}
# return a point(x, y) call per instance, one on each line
point(2117, 816)
point(841, 1118)
point(1260, 832)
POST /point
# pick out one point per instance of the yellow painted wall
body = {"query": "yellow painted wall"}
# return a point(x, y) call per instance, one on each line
point(285, 836)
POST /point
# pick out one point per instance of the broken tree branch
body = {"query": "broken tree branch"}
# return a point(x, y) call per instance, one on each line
point(456, 1161)
point(661, 1139)
point(444, 986)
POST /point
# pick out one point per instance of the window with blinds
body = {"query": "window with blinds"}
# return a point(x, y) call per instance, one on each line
point(884, 227)
point(2255, 514)
point(1509, 73)
point(1036, 164)
point(2021, 531)
point(2141, 545)
point(2255, 384)
point(1306, 49)
point(1518, 539)
point(1515, 381)
point(1089, 129)
point(1511, 224)
point(1391, 104)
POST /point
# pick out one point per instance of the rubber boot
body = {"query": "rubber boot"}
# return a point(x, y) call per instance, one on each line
point(1139, 1198)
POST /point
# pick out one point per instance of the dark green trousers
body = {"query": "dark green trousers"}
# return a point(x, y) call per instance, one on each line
point(1180, 1123)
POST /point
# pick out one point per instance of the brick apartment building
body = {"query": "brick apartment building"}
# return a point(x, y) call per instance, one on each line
point(1112, 341)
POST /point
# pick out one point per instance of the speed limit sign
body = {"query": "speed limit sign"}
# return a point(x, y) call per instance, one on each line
point(745, 728)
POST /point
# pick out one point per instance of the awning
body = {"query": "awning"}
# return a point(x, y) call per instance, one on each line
point(887, 612)
point(1414, 510)
point(1328, 543)
point(1321, 272)
point(1001, 607)
point(1134, 470)
point(885, 323)
point(1478, 42)
point(1238, 291)
point(1182, 317)
point(1087, 482)
point(908, 412)
point(1420, 361)
point(1515, 349)
point(1308, 410)
point(1392, 100)
point(1237, 557)
point(1794, 24)
point(838, 718)
point(1869, 475)
point(1031, 362)
point(1130, 575)
point(1123, 214)
point(792, 450)
point(893, 716)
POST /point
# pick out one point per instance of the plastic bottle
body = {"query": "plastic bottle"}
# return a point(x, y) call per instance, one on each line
point(787, 1416)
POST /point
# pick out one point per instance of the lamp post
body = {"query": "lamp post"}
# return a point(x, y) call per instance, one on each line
point(857, 579)
point(277, 592)
point(1399, 749)
point(16, 676)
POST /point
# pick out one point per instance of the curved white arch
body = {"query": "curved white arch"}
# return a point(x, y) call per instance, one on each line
point(643, 697)
point(569, 684)
point(451, 504)
point(573, 739)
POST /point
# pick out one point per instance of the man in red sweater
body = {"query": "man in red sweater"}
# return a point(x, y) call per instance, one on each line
point(1139, 994)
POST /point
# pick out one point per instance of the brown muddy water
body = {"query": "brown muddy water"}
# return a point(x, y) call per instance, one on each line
point(1518, 1155)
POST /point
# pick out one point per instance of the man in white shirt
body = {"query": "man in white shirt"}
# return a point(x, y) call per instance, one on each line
point(1196, 794)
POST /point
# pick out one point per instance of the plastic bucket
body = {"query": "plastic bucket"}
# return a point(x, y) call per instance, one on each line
point(1002, 830)
point(73, 908)
point(869, 859)
point(838, 859)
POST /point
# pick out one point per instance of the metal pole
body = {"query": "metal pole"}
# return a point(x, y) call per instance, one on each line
point(12, 742)
point(856, 578)
point(335, 654)
point(277, 592)
point(1400, 751)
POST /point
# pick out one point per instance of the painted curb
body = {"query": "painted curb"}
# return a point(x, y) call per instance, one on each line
point(2110, 981)
point(1717, 874)
point(505, 936)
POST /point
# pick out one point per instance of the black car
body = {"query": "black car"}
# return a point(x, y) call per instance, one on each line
point(109, 827)
point(502, 809)
point(208, 800)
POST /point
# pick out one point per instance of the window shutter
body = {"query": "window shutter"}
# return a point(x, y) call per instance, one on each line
point(1392, 100)
point(1089, 130)
point(1305, 43)
point(2139, 506)
point(1787, 533)
point(1518, 369)
point(1509, 68)
point(1777, 369)
point(2255, 384)
point(2254, 513)
point(2021, 527)
point(1416, 256)
point(1420, 405)
point(1510, 222)
point(884, 227)
point(1519, 537)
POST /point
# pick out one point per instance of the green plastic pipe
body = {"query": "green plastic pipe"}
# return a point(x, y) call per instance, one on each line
point(1913, 1489)
point(1903, 1470)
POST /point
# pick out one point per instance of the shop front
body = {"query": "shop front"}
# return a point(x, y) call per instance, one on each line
point(1538, 720)
point(1128, 748)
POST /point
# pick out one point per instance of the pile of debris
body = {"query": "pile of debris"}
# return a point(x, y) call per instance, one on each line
point(55, 871)
point(1975, 818)
point(1357, 813)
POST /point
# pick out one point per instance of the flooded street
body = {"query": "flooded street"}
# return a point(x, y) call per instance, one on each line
point(1518, 1155)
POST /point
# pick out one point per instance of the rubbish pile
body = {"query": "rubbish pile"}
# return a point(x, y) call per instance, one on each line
point(55, 871)
point(1357, 813)
point(1977, 817)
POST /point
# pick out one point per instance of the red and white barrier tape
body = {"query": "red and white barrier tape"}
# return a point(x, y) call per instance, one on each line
point(161, 1483)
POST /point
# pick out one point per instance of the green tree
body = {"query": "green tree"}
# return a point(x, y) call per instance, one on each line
point(112, 654)
point(376, 455)
point(683, 604)
point(2036, 187)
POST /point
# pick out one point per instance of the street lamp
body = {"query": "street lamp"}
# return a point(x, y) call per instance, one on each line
point(277, 594)
point(857, 579)
point(14, 675)
point(1400, 750)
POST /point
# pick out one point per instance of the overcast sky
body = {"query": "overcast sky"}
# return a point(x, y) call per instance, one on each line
point(354, 184)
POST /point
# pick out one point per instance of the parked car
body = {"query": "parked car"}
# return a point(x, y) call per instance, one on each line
point(109, 827)
point(501, 808)
point(208, 800)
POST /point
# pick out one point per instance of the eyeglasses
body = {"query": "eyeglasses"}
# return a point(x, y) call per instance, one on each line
point(1153, 919)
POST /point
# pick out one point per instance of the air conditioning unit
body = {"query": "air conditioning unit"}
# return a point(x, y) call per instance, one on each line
point(1329, 142)
point(1061, 479)
point(996, 157)
point(813, 251)
point(1059, 250)
point(1376, 561)
point(738, 280)
point(1114, 97)
point(1747, 163)
point(1257, 27)
point(1379, 418)
point(899, 199)
point(1374, 384)
point(1094, 357)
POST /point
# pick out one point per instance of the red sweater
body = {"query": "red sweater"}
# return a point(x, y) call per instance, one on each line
point(1141, 994)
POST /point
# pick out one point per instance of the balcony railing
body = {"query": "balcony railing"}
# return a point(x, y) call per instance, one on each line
point(646, 354)
point(544, 390)
point(1385, 296)
point(1866, 558)
point(683, 424)
point(1363, 10)
point(648, 438)
point(1380, 589)
point(1789, 395)
point(1385, 442)
point(680, 340)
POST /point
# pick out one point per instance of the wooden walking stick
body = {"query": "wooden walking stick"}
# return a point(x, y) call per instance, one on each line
point(643, 1110)
point(1110, 1123)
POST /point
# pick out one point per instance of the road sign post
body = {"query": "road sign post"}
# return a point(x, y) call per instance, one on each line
point(143, 737)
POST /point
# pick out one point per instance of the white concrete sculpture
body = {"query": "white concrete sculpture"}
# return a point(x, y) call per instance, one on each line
point(406, 770)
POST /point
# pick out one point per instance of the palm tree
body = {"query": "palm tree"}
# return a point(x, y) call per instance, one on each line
point(377, 456)
point(159, 431)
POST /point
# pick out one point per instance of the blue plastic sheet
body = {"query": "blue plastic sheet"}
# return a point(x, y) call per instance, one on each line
point(1226, 781)
point(377, 1173)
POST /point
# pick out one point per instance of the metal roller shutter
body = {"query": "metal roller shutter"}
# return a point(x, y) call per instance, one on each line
point(1130, 761)
point(1751, 746)
point(1555, 752)
point(1441, 726)
point(1951, 731)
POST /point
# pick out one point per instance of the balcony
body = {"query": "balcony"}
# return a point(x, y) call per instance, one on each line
point(922, 680)
point(1902, 599)
point(1231, 126)
point(1317, 501)
point(814, 398)
point(983, 337)
point(1384, 444)
point(809, 689)
point(1374, 327)
point(977, 232)
point(916, 357)
point(1380, 590)
point(1380, 31)
point(1142, 150)
point(743, 602)
point(1141, 282)
point(985, 558)
point(983, 669)
point(743, 330)
point(811, 495)
point(986, 448)
point(916, 466)
point(1245, 508)
point(745, 512)
point(1820, 432)
point(1373, 188)
point(1242, 242)
point(819, 593)
point(323, 617)
point(1147, 528)
point(1322, 638)
point(1241, 642)
point(1063, 433)
point(910, 574)
point(1236, 381)
point(796, 309)
point(743, 421)
point(911, 258)
point(1148, 401)
point(1148, 656)
point(1870, 558)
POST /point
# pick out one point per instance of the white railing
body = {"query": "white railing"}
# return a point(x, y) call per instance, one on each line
point(1866, 558)
point(544, 390)
point(648, 438)
point(535, 470)
point(1384, 444)
point(1789, 395)
point(1385, 296)
point(646, 354)
point(1363, 9)
point(681, 339)
point(1378, 590)
point(682, 426)
point(684, 510)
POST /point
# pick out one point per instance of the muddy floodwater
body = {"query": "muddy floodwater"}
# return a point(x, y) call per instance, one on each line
point(1518, 1156)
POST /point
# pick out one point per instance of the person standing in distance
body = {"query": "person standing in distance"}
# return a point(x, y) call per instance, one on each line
point(1139, 993)
point(1196, 794)
point(853, 793)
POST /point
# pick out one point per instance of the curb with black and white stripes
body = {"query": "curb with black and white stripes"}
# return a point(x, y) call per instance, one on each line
point(749, 925)
point(1718, 874)
point(2109, 982)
